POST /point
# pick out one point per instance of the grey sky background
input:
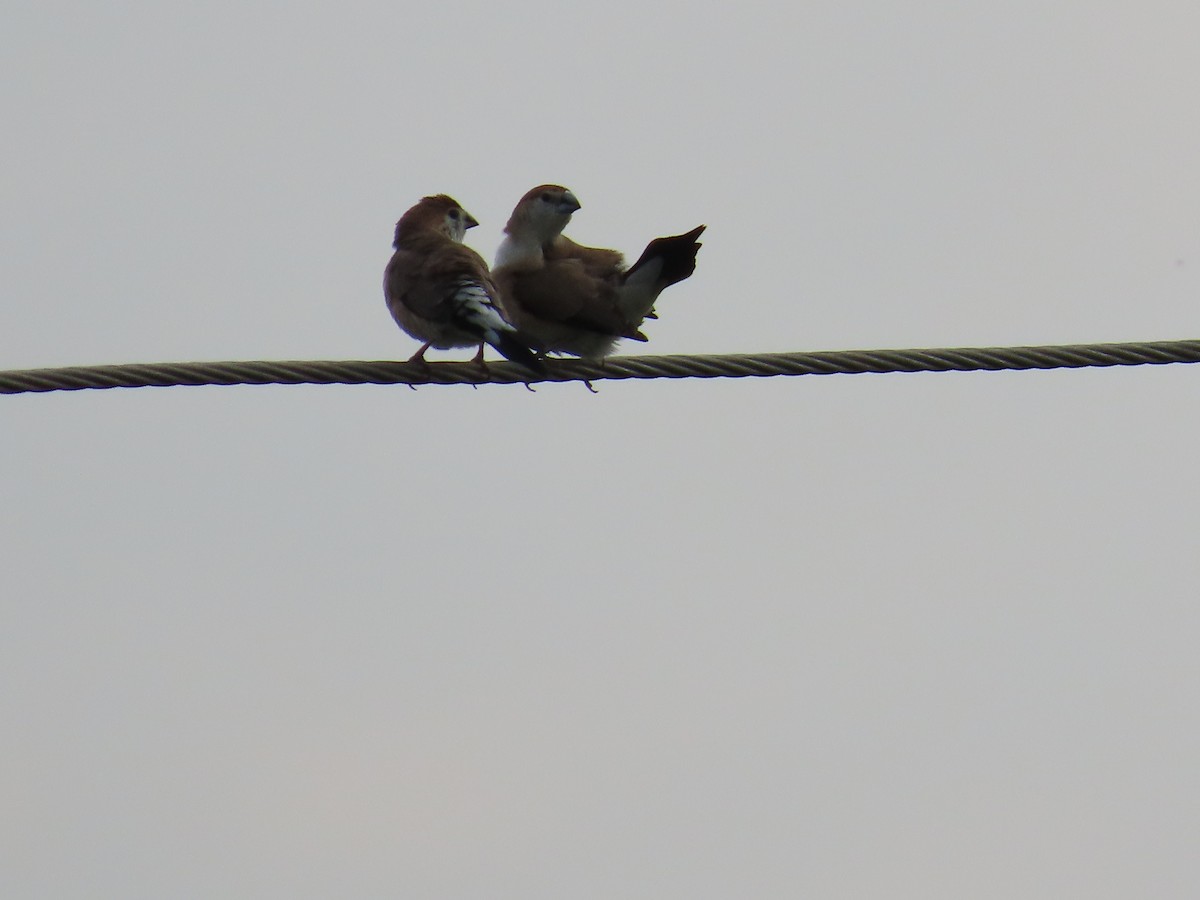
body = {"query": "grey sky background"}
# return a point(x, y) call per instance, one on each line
point(921, 635)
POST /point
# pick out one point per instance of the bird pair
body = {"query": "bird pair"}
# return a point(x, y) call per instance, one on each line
point(545, 294)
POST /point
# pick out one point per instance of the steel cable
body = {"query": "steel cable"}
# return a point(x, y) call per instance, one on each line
point(615, 368)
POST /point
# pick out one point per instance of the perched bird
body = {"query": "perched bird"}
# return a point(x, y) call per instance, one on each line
point(439, 290)
point(564, 297)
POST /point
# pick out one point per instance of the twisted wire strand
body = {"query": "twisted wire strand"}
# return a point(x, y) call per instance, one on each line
point(616, 368)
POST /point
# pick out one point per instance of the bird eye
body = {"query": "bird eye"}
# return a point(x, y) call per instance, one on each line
point(454, 214)
point(546, 198)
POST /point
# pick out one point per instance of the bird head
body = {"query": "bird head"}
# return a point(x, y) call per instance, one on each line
point(440, 213)
point(543, 212)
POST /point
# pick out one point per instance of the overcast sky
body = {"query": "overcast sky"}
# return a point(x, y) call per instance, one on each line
point(851, 636)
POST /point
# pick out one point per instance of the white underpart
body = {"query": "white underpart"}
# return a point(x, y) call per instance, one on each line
point(474, 306)
point(638, 293)
point(515, 250)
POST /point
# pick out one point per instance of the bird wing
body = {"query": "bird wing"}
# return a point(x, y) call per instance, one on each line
point(563, 292)
point(434, 282)
point(598, 262)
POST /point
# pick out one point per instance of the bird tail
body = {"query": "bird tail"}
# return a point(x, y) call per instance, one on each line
point(510, 347)
point(664, 262)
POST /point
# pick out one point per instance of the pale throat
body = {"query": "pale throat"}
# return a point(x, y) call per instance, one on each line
point(525, 247)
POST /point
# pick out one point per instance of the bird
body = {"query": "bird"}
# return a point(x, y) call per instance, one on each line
point(440, 291)
point(567, 298)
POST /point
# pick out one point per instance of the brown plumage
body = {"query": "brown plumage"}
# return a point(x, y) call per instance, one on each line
point(565, 297)
point(440, 291)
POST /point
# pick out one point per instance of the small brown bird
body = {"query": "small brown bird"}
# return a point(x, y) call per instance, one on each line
point(439, 290)
point(564, 297)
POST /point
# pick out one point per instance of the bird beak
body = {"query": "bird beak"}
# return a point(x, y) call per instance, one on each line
point(568, 204)
point(470, 221)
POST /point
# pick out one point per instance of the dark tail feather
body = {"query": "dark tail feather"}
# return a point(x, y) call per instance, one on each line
point(677, 254)
point(511, 348)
